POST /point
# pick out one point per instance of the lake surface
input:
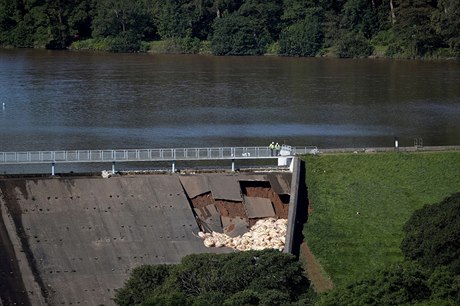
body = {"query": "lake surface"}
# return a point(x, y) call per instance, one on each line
point(59, 100)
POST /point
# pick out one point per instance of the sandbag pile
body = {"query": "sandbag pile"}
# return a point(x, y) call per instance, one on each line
point(267, 233)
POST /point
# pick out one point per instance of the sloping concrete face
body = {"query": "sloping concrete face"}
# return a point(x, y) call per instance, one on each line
point(76, 240)
point(84, 236)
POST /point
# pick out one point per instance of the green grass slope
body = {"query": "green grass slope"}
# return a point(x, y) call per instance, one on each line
point(385, 189)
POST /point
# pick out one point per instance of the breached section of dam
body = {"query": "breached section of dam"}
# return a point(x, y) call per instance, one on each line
point(76, 239)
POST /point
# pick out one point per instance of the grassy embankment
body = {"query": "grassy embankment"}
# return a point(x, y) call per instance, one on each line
point(385, 189)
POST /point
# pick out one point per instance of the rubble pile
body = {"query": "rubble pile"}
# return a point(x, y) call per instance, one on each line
point(267, 233)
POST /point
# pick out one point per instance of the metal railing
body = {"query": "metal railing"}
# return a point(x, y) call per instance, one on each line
point(140, 155)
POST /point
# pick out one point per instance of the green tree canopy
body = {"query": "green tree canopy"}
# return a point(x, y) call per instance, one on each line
point(402, 28)
point(244, 278)
point(400, 284)
point(238, 35)
point(433, 235)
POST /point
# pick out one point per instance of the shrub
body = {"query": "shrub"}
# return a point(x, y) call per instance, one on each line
point(354, 45)
point(176, 45)
point(125, 42)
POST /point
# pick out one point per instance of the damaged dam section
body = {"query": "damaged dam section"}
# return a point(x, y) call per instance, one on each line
point(75, 240)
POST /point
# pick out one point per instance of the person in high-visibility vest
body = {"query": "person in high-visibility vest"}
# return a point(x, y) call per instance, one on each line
point(277, 149)
point(271, 147)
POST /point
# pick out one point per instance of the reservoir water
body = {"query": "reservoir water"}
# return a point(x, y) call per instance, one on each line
point(76, 100)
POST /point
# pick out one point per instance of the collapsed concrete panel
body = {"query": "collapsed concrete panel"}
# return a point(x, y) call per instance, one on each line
point(195, 185)
point(225, 187)
point(209, 217)
point(259, 207)
point(280, 182)
point(234, 226)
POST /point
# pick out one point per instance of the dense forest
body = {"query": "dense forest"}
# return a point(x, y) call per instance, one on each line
point(343, 28)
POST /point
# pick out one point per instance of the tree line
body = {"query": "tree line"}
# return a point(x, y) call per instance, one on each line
point(343, 28)
point(266, 277)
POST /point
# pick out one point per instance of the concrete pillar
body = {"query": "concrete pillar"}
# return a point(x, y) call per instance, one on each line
point(52, 168)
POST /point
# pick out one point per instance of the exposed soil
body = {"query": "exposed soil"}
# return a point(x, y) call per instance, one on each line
point(202, 200)
point(231, 209)
point(226, 208)
point(320, 282)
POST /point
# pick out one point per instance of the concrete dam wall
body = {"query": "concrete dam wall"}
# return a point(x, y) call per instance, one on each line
point(75, 240)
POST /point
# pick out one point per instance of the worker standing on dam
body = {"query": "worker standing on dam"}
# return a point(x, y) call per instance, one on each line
point(277, 149)
point(271, 147)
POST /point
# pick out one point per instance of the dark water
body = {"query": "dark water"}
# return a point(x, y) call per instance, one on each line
point(67, 100)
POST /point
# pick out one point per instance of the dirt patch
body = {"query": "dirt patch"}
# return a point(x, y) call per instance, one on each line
point(315, 271)
point(202, 201)
point(225, 208)
point(231, 209)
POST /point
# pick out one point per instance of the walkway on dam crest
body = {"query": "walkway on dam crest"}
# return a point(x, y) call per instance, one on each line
point(139, 155)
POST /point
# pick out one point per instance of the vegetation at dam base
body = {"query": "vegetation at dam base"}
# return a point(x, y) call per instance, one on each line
point(345, 28)
point(367, 225)
point(244, 278)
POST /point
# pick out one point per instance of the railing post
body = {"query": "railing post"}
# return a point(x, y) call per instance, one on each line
point(113, 167)
point(173, 167)
point(233, 165)
point(52, 168)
